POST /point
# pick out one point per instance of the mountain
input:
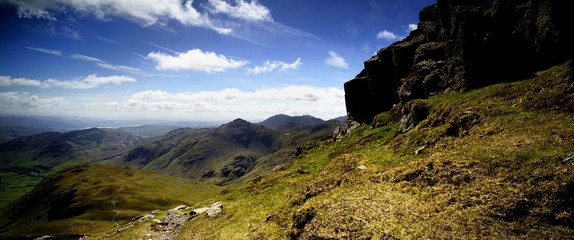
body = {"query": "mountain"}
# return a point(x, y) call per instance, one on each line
point(463, 45)
point(54, 148)
point(149, 130)
point(89, 199)
point(283, 122)
point(491, 163)
point(26, 160)
point(230, 153)
point(12, 127)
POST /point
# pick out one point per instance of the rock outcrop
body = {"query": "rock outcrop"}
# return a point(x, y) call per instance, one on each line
point(461, 45)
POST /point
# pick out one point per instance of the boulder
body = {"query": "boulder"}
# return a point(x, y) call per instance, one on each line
point(215, 209)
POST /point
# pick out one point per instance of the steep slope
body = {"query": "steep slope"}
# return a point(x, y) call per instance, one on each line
point(88, 199)
point(284, 122)
point(493, 163)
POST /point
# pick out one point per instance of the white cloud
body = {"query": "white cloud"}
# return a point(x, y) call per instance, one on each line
point(413, 27)
point(22, 101)
point(270, 66)
point(195, 60)
point(144, 12)
point(48, 51)
point(251, 11)
point(6, 81)
point(387, 35)
point(150, 94)
point(336, 61)
point(91, 81)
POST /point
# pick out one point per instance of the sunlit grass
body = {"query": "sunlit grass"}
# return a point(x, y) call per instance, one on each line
point(491, 169)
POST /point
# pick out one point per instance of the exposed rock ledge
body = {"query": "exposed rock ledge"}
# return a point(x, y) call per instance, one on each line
point(461, 45)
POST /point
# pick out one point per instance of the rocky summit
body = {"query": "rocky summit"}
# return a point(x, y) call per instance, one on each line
point(462, 45)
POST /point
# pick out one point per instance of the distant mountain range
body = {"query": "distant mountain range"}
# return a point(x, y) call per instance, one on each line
point(232, 152)
point(12, 127)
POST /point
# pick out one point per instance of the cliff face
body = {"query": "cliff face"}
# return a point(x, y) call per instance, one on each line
point(461, 45)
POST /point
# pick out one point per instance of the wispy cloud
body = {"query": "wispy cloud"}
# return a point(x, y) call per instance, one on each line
point(143, 12)
point(120, 68)
point(162, 47)
point(89, 82)
point(336, 61)
point(104, 64)
point(195, 60)
point(270, 66)
point(71, 33)
point(108, 40)
point(250, 11)
point(85, 58)
point(48, 51)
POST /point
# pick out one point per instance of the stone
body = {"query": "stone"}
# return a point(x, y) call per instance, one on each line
point(413, 114)
point(215, 209)
point(180, 207)
point(420, 150)
point(362, 167)
point(568, 159)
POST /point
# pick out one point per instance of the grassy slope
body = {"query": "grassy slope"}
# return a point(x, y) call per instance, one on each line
point(78, 200)
point(492, 168)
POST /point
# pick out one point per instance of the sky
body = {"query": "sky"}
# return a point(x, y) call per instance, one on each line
point(200, 60)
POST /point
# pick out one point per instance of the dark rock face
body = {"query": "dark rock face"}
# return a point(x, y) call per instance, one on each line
point(461, 45)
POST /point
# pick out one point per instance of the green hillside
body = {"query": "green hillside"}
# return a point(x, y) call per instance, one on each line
point(88, 199)
point(492, 163)
point(496, 164)
point(26, 160)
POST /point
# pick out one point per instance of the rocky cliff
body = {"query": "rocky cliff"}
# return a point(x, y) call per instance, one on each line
point(461, 45)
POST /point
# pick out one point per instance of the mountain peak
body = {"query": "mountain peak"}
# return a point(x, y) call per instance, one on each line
point(284, 122)
point(239, 121)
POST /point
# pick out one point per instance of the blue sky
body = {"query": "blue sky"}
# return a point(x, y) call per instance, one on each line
point(190, 60)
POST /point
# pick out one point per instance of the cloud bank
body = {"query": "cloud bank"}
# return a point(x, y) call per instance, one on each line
point(225, 104)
